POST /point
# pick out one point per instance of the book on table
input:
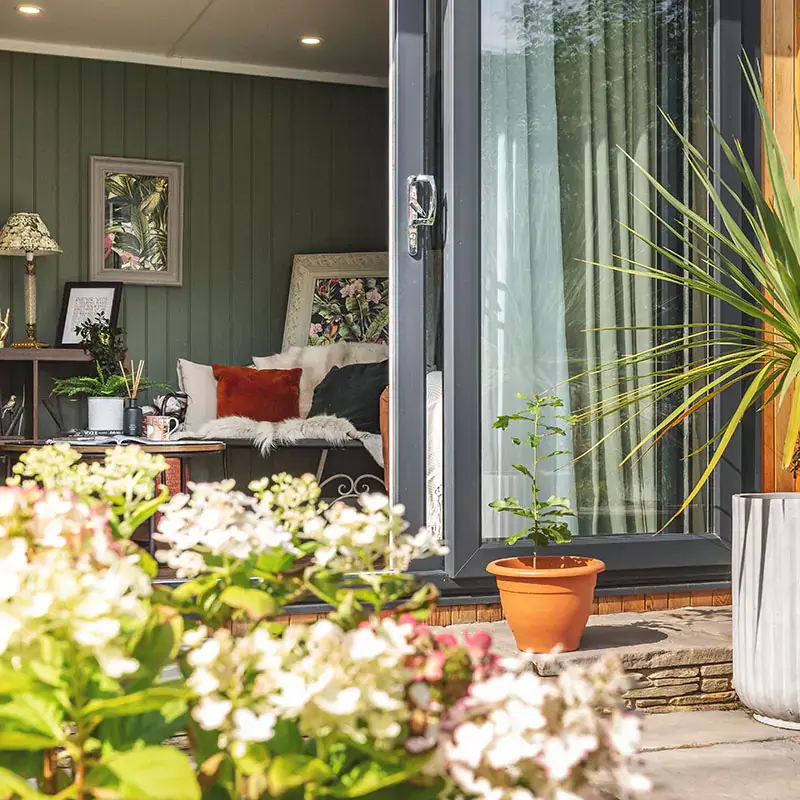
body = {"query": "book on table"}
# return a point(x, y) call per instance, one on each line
point(105, 437)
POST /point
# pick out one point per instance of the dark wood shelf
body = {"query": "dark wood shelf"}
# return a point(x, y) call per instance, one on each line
point(65, 354)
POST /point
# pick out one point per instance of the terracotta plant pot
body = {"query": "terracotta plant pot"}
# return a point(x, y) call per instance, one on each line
point(546, 608)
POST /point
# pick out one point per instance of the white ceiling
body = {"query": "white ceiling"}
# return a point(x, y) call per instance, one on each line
point(257, 36)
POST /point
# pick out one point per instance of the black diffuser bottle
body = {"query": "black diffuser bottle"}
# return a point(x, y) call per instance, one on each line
point(131, 418)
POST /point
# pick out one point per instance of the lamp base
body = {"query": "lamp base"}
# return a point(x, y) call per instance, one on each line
point(31, 343)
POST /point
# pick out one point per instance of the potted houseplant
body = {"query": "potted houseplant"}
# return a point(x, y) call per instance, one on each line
point(753, 268)
point(546, 599)
point(107, 389)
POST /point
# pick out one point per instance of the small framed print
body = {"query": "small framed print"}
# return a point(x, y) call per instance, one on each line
point(84, 301)
point(136, 221)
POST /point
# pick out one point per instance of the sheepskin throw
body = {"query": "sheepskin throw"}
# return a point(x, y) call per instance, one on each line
point(266, 436)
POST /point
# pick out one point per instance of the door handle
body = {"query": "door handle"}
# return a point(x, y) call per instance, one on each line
point(417, 215)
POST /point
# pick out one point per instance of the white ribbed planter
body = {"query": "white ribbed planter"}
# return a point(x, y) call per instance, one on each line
point(766, 606)
point(105, 413)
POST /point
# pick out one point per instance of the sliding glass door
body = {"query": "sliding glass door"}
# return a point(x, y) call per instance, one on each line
point(553, 114)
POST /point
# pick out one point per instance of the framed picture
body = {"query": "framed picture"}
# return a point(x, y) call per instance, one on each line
point(338, 297)
point(84, 301)
point(136, 221)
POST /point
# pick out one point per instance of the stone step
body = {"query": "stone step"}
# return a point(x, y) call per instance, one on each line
point(678, 660)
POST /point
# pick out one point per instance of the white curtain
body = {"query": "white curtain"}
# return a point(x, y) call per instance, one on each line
point(524, 346)
point(565, 84)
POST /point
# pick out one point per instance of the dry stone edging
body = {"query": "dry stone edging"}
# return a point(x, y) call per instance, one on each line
point(677, 660)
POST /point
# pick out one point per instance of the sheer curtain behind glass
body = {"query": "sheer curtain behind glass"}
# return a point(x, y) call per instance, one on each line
point(565, 84)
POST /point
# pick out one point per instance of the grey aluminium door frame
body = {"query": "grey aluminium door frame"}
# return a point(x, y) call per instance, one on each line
point(407, 272)
point(735, 25)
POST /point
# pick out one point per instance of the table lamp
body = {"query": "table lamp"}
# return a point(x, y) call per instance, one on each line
point(24, 234)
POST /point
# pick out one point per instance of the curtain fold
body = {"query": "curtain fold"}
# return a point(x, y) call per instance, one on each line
point(566, 88)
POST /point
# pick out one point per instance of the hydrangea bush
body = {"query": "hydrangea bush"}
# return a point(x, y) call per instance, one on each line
point(368, 702)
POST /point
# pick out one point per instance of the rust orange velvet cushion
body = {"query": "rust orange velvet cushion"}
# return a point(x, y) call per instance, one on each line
point(265, 395)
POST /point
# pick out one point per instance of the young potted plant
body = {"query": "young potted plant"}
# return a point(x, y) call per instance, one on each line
point(546, 599)
point(107, 390)
point(755, 269)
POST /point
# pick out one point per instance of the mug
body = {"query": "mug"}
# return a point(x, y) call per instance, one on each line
point(158, 428)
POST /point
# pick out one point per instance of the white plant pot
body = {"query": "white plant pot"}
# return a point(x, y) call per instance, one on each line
point(105, 413)
point(766, 606)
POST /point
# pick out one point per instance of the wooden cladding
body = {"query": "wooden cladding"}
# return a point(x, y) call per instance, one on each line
point(272, 168)
point(780, 48)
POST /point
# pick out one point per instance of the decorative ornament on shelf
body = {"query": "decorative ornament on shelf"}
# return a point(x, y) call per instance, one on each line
point(25, 234)
point(4, 326)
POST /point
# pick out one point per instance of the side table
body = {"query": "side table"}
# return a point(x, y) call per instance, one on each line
point(182, 452)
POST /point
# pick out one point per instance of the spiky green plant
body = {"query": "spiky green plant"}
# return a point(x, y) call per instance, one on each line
point(765, 290)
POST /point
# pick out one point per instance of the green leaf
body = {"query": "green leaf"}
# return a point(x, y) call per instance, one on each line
point(255, 603)
point(292, 770)
point(12, 785)
point(132, 704)
point(151, 773)
point(152, 728)
point(18, 740)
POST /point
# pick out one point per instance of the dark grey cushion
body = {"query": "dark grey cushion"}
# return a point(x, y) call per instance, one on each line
point(353, 393)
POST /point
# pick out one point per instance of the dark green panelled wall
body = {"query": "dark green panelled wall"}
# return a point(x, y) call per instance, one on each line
point(273, 167)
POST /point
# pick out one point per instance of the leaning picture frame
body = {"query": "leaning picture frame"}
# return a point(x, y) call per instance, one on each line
point(85, 300)
point(136, 221)
point(337, 297)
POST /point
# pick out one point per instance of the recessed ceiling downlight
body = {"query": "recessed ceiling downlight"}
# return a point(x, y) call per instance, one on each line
point(310, 41)
point(29, 10)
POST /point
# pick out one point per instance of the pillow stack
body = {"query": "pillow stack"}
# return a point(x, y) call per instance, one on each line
point(285, 385)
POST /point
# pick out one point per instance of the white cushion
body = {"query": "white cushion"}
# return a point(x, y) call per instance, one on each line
point(317, 361)
point(197, 381)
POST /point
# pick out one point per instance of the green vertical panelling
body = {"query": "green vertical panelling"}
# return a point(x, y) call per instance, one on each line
point(198, 218)
point(241, 274)
point(263, 228)
point(282, 190)
point(71, 214)
point(221, 216)
point(6, 156)
point(272, 168)
point(23, 172)
point(179, 126)
point(46, 180)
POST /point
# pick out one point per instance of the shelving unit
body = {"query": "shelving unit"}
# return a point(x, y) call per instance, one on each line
point(24, 366)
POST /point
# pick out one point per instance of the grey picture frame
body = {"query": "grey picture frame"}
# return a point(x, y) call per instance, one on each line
point(173, 171)
point(307, 269)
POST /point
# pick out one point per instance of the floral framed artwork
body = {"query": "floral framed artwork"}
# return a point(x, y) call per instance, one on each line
point(338, 297)
point(136, 221)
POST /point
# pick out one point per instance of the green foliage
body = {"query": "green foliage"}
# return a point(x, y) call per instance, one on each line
point(753, 268)
point(546, 517)
point(112, 385)
point(105, 343)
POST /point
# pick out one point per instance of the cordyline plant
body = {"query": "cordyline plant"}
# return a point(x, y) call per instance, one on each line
point(546, 517)
point(754, 268)
point(369, 702)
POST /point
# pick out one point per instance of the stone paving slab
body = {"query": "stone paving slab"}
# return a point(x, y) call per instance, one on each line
point(705, 728)
point(745, 771)
point(719, 755)
point(646, 640)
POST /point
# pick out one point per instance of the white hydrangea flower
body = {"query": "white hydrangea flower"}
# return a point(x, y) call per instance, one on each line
point(216, 520)
point(62, 575)
point(516, 735)
point(359, 540)
point(323, 677)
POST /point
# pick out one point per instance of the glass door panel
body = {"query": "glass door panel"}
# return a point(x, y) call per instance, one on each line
point(568, 92)
point(544, 100)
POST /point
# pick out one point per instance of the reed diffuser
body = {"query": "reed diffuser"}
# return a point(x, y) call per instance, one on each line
point(132, 415)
